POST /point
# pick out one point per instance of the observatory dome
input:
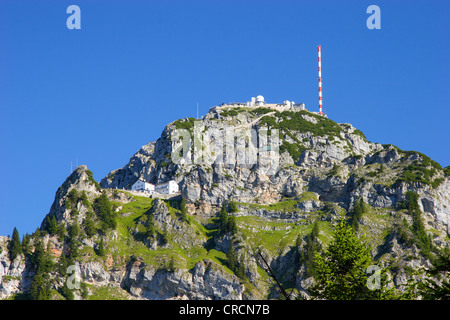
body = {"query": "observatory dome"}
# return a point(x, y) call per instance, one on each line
point(259, 100)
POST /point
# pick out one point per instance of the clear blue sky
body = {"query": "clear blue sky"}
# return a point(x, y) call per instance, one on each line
point(98, 94)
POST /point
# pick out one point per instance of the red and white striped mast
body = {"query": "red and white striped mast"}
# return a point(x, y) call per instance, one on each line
point(320, 82)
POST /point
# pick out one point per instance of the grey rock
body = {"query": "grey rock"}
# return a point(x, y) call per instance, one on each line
point(81, 180)
point(94, 272)
point(12, 273)
point(204, 281)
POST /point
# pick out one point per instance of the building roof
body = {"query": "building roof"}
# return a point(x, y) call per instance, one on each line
point(142, 180)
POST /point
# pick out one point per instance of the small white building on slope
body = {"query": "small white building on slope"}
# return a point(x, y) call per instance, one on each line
point(142, 185)
point(168, 187)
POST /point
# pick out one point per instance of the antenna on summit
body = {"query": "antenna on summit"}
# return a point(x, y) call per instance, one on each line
point(320, 80)
point(197, 110)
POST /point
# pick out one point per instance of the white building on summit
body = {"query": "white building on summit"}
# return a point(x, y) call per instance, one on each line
point(260, 102)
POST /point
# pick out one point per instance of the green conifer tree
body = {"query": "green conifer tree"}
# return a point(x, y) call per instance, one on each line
point(26, 245)
point(241, 268)
point(312, 247)
point(233, 207)
point(62, 264)
point(359, 209)
point(183, 209)
point(231, 225)
point(101, 248)
point(15, 247)
point(67, 293)
point(341, 269)
point(61, 232)
point(150, 227)
point(37, 257)
point(232, 257)
point(52, 225)
point(104, 211)
point(40, 287)
point(89, 225)
point(223, 219)
point(74, 232)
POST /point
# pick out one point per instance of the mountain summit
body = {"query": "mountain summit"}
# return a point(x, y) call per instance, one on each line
point(316, 154)
point(256, 184)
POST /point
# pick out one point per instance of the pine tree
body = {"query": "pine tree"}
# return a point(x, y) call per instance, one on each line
point(315, 231)
point(46, 264)
point(40, 287)
point(42, 263)
point(298, 241)
point(84, 199)
point(62, 264)
point(84, 290)
point(52, 225)
point(412, 200)
point(101, 248)
point(355, 224)
point(233, 207)
point(26, 245)
point(312, 246)
point(61, 232)
point(37, 257)
point(432, 289)
point(89, 225)
point(359, 209)
point(422, 239)
point(67, 293)
point(15, 247)
point(183, 209)
point(74, 231)
point(223, 219)
point(164, 236)
point(37, 233)
point(150, 228)
point(104, 211)
point(231, 225)
point(171, 266)
point(232, 258)
point(241, 268)
point(341, 269)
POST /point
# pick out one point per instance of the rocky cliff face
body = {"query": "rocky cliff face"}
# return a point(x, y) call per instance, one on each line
point(80, 181)
point(11, 272)
point(204, 281)
point(129, 246)
point(315, 154)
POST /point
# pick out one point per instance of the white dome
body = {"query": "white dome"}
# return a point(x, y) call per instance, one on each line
point(260, 98)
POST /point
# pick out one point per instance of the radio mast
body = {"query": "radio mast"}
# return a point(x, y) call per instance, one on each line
point(320, 81)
